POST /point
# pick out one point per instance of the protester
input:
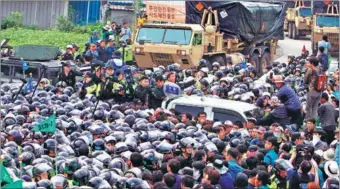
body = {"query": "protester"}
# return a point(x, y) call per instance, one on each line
point(109, 127)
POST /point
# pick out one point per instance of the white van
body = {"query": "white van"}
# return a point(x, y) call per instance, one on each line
point(216, 109)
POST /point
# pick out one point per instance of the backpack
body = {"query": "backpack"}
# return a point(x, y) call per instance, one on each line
point(321, 81)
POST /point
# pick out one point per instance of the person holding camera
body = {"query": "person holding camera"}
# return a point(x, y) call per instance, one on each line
point(125, 32)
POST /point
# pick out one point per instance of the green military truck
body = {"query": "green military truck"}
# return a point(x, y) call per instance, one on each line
point(41, 60)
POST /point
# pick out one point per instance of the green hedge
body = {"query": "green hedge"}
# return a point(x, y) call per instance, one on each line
point(22, 36)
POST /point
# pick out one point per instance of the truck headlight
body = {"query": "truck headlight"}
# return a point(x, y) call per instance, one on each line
point(181, 52)
point(139, 50)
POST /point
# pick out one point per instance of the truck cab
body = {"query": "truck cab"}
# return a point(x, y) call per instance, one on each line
point(165, 44)
point(299, 20)
point(327, 24)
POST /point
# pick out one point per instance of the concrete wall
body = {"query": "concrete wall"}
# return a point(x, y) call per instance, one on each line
point(120, 16)
point(39, 12)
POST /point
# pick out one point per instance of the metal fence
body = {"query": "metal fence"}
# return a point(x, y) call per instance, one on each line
point(43, 13)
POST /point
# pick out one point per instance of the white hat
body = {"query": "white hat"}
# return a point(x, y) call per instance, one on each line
point(205, 70)
point(69, 47)
point(107, 27)
point(329, 154)
point(332, 169)
point(319, 152)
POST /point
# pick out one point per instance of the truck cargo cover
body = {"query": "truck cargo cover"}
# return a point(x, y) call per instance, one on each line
point(252, 22)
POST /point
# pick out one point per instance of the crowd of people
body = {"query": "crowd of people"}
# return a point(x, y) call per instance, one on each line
point(113, 133)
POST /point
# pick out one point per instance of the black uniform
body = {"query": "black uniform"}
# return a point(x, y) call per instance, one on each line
point(142, 93)
point(107, 93)
point(102, 54)
point(156, 98)
point(70, 79)
point(67, 56)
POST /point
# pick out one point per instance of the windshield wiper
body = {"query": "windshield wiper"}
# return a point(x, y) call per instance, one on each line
point(171, 42)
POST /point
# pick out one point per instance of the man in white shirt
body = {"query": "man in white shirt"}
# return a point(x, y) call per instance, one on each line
point(125, 33)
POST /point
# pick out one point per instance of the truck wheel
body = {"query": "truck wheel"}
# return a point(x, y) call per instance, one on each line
point(294, 32)
point(290, 30)
point(265, 60)
point(219, 59)
point(255, 61)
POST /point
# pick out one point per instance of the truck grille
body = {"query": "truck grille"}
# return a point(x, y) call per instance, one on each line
point(161, 59)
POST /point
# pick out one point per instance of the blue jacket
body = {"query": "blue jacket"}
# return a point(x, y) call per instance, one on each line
point(288, 97)
point(270, 157)
point(226, 181)
point(234, 168)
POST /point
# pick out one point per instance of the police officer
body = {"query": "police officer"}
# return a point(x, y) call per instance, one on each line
point(104, 89)
point(128, 56)
point(68, 75)
point(142, 91)
point(89, 87)
point(157, 94)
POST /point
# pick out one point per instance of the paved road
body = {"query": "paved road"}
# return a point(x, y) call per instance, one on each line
point(291, 47)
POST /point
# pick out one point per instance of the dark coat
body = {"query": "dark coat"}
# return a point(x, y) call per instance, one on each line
point(142, 93)
point(278, 115)
point(156, 97)
point(288, 97)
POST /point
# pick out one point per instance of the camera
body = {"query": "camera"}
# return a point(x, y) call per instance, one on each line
point(118, 30)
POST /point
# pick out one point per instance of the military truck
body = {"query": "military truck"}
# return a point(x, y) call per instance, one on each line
point(327, 24)
point(298, 20)
point(41, 59)
point(216, 31)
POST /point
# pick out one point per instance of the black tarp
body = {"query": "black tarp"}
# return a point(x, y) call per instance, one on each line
point(252, 22)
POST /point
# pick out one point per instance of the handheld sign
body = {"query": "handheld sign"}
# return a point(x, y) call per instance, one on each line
point(49, 125)
point(171, 90)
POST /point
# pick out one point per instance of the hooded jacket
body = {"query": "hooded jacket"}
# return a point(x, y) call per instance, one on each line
point(288, 97)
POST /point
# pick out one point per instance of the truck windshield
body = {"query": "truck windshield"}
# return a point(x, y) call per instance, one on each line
point(305, 12)
point(166, 36)
point(151, 35)
point(327, 21)
point(177, 36)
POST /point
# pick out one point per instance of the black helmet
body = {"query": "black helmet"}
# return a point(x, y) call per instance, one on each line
point(16, 136)
point(71, 165)
point(98, 144)
point(120, 147)
point(99, 115)
point(41, 168)
point(80, 177)
point(45, 184)
point(49, 146)
point(95, 182)
point(27, 158)
point(59, 181)
point(184, 142)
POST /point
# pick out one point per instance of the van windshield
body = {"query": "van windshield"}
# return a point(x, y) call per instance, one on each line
point(165, 36)
point(193, 110)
